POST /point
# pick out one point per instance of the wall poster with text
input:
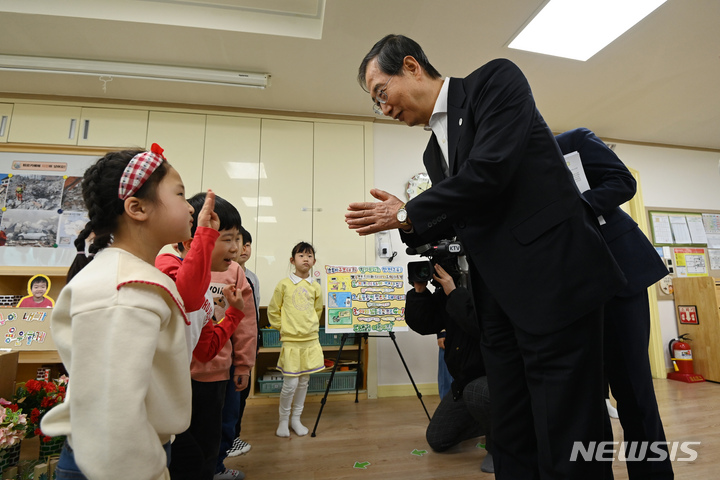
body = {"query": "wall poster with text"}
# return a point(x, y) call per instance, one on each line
point(365, 299)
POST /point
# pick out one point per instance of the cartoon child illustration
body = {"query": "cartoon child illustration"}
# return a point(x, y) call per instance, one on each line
point(38, 287)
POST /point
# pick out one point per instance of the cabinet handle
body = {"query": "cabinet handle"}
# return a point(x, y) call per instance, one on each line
point(3, 125)
point(311, 209)
point(73, 123)
point(86, 129)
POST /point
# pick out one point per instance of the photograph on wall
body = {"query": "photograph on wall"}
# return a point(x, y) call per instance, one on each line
point(34, 192)
point(365, 299)
point(72, 199)
point(29, 228)
point(71, 223)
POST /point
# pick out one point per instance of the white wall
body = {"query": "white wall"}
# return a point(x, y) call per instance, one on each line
point(670, 178)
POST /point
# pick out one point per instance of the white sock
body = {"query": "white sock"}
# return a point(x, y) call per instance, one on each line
point(297, 426)
point(283, 430)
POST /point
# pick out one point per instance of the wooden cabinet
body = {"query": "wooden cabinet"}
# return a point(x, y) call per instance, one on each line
point(704, 294)
point(116, 128)
point(5, 115)
point(74, 125)
point(52, 124)
point(285, 198)
point(232, 166)
point(182, 135)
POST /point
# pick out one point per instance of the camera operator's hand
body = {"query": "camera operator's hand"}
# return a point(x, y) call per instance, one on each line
point(420, 287)
point(373, 217)
point(444, 279)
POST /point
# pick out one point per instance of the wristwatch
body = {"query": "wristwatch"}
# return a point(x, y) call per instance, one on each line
point(402, 216)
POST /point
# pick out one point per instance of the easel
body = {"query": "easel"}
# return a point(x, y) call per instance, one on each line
point(357, 385)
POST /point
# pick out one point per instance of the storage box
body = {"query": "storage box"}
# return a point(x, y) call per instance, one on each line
point(341, 381)
point(270, 337)
point(271, 386)
point(333, 339)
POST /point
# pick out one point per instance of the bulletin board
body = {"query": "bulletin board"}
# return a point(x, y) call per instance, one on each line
point(41, 206)
point(688, 241)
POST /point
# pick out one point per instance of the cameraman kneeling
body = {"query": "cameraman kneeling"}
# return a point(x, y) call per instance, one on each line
point(464, 412)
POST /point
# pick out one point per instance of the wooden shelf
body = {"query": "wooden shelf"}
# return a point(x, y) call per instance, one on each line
point(324, 347)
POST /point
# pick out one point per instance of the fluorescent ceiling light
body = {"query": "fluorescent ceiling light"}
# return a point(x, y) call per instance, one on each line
point(133, 70)
point(578, 29)
point(266, 219)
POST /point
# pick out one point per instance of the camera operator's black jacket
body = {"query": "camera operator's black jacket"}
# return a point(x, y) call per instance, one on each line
point(429, 313)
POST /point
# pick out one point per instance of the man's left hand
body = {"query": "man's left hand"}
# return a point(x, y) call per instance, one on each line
point(372, 217)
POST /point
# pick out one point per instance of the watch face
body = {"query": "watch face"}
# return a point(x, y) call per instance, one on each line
point(417, 184)
point(402, 215)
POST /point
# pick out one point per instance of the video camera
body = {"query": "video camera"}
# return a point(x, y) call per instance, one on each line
point(444, 253)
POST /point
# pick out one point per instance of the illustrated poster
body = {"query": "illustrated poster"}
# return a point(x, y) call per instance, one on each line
point(365, 299)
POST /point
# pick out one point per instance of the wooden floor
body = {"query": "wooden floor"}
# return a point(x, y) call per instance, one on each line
point(385, 432)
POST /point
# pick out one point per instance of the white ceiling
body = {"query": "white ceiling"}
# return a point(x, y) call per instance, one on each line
point(658, 83)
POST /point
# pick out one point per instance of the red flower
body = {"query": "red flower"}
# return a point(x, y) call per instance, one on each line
point(35, 415)
point(47, 402)
point(33, 386)
point(13, 406)
point(49, 387)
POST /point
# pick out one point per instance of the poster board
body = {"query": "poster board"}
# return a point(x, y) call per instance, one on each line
point(41, 207)
point(26, 329)
point(365, 299)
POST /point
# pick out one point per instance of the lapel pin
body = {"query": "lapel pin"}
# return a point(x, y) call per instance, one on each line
point(460, 122)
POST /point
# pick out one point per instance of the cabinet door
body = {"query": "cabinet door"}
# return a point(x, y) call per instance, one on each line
point(52, 124)
point(182, 135)
point(285, 197)
point(113, 127)
point(339, 174)
point(232, 166)
point(5, 115)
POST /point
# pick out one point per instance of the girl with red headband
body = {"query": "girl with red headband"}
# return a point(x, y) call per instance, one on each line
point(119, 325)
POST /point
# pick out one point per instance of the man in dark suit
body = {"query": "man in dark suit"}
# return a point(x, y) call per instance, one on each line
point(627, 315)
point(540, 270)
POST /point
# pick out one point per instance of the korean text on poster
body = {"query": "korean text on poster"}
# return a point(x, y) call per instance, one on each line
point(365, 299)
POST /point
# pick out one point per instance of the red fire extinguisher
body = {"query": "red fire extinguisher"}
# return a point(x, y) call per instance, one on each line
point(681, 356)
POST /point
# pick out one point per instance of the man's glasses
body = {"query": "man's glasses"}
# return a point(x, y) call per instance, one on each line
point(381, 99)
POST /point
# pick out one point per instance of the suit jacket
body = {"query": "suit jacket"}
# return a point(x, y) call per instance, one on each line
point(511, 200)
point(611, 185)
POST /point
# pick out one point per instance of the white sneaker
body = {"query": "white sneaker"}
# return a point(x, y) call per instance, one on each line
point(229, 474)
point(239, 447)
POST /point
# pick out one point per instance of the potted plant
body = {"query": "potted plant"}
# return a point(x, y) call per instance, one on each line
point(37, 397)
point(13, 427)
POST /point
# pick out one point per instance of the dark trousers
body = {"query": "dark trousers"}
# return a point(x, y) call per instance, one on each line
point(627, 367)
point(457, 420)
point(547, 393)
point(195, 451)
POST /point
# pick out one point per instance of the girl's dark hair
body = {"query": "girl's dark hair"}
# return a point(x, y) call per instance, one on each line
point(390, 52)
point(100, 192)
point(303, 247)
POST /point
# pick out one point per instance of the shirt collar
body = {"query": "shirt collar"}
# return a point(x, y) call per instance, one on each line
point(295, 279)
point(441, 104)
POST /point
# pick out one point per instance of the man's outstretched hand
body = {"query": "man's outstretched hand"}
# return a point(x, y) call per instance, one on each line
point(371, 217)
